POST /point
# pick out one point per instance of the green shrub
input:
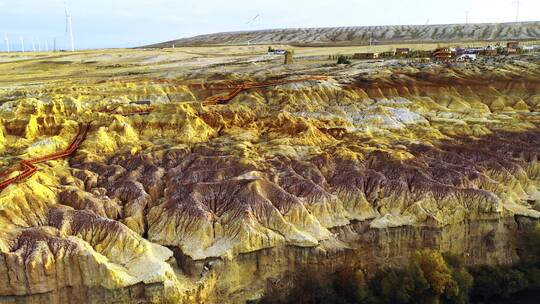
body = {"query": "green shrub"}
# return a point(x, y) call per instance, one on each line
point(532, 244)
point(437, 272)
point(498, 282)
point(462, 277)
point(487, 282)
point(430, 277)
point(400, 285)
point(532, 275)
point(312, 287)
point(514, 282)
point(343, 60)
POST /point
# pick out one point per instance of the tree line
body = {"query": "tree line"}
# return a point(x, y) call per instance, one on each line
point(430, 277)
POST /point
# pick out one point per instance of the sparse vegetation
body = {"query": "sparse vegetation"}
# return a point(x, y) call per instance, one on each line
point(343, 60)
point(430, 277)
point(503, 282)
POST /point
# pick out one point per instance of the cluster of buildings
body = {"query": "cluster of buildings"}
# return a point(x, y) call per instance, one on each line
point(465, 54)
point(451, 54)
point(397, 53)
point(442, 54)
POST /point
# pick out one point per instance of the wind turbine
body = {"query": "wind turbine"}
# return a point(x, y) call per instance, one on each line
point(6, 39)
point(69, 29)
point(22, 44)
point(38, 45)
point(257, 17)
point(33, 45)
point(252, 22)
point(517, 2)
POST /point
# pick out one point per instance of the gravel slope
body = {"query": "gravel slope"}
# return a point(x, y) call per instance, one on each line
point(360, 35)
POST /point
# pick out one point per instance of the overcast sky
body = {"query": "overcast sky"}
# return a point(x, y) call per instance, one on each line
point(127, 23)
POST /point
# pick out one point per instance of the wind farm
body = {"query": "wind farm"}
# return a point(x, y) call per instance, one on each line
point(36, 41)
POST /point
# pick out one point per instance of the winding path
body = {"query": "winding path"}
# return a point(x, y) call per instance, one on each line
point(27, 167)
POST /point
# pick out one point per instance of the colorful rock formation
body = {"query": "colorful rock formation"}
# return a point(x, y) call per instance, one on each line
point(190, 202)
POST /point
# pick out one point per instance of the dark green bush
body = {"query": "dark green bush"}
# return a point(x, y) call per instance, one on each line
point(343, 60)
point(532, 275)
point(312, 287)
point(430, 277)
point(498, 282)
point(462, 277)
point(400, 285)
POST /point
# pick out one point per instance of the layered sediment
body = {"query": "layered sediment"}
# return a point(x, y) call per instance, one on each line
point(361, 35)
point(194, 203)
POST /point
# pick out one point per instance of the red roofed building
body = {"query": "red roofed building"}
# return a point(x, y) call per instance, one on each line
point(443, 54)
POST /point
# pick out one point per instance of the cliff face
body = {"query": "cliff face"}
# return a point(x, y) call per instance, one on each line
point(190, 203)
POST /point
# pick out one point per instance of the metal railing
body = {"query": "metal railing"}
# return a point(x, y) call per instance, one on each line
point(27, 167)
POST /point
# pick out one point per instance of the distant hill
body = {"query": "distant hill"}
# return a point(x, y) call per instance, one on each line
point(360, 35)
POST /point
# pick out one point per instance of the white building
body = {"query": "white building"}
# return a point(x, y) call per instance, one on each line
point(465, 57)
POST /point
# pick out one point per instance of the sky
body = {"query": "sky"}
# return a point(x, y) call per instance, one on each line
point(129, 23)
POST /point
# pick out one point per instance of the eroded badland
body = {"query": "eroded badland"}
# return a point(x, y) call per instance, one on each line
point(167, 199)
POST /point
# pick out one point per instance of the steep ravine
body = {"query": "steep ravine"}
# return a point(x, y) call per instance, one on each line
point(246, 277)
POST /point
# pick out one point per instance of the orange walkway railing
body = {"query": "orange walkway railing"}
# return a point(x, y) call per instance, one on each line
point(222, 99)
point(28, 166)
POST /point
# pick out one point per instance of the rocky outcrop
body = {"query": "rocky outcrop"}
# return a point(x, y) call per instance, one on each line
point(215, 205)
point(67, 252)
